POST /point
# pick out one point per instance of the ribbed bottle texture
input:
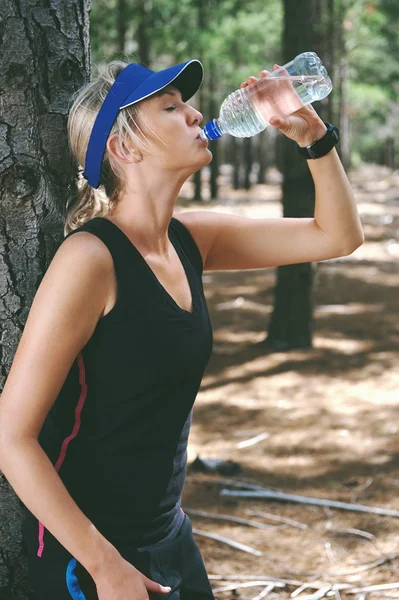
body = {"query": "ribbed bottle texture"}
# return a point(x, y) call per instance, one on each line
point(238, 117)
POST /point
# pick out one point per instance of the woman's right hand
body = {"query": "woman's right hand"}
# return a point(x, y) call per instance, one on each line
point(122, 581)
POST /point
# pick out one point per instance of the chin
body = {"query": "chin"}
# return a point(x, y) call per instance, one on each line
point(208, 157)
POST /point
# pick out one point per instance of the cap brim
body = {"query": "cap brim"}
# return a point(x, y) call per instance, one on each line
point(187, 77)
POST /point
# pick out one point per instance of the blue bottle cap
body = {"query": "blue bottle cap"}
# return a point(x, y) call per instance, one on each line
point(212, 130)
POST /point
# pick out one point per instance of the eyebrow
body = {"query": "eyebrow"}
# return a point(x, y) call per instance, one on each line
point(165, 93)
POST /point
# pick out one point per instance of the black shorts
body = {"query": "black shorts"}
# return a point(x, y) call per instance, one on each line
point(176, 563)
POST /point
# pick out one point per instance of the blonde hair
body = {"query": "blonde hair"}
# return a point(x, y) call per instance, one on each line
point(87, 202)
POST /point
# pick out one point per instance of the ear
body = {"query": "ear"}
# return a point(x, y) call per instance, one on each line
point(114, 147)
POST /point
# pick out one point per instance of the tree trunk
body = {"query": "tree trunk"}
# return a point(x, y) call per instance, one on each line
point(45, 56)
point(291, 322)
point(201, 21)
point(341, 75)
point(267, 152)
point(248, 160)
point(262, 157)
point(198, 174)
point(236, 161)
point(213, 109)
point(144, 9)
point(344, 114)
point(331, 52)
point(121, 25)
point(323, 31)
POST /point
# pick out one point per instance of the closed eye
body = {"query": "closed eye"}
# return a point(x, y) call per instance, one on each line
point(171, 108)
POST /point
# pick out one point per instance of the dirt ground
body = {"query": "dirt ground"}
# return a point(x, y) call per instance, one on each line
point(329, 415)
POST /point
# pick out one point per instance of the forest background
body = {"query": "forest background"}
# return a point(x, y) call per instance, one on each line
point(305, 356)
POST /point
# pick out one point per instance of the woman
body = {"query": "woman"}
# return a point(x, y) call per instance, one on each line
point(118, 337)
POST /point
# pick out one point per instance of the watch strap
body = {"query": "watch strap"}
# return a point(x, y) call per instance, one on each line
point(322, 146)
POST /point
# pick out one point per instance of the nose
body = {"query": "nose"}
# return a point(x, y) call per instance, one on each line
point(195, 116)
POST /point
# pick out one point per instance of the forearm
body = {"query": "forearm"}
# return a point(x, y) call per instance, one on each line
point(34, 479)
point(335, 207)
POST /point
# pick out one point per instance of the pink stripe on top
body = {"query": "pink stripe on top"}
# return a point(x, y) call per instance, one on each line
point(75, 430)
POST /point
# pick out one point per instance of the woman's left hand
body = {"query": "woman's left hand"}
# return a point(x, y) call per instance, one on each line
point(304, 126)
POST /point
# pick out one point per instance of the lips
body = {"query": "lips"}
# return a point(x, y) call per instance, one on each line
point(200, 138)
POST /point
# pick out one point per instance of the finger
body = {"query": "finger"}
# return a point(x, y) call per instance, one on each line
point(279, 123)
point(152, 586)
point(276, 67)
point(264, 73)
point(250, 80)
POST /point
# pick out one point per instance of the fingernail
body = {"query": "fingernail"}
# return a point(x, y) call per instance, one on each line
point(167, 589)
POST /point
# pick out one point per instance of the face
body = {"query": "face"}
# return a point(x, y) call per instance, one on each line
point(172, 128)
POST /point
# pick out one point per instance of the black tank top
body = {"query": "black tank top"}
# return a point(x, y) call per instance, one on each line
point(117, 432)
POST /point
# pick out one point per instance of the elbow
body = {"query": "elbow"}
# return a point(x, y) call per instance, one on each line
point(8, 442)
point(353, 244)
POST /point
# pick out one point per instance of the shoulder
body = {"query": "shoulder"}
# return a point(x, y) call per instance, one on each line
point(84, 247)
point(202, 225)
point(81, 261)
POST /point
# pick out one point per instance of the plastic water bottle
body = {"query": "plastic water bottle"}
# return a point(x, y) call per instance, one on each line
point(247, 111)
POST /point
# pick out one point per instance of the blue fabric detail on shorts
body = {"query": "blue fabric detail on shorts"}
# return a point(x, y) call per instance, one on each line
point(72, 581)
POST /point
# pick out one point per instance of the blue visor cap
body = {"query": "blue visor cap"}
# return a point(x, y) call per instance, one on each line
point(133, 84)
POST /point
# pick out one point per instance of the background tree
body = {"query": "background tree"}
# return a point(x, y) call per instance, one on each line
point(45, 57)
point(291, 321)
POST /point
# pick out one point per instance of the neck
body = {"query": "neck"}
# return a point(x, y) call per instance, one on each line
point(145, 210)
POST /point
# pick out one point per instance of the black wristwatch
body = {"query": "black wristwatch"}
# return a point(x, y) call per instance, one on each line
point(321, 146)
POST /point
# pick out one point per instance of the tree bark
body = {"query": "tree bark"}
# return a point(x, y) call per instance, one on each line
point(291, 322)
point(45, 56)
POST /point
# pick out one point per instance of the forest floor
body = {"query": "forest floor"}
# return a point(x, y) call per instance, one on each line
point(329, 415)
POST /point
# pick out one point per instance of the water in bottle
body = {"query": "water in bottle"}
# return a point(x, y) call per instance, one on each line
point(247, 111)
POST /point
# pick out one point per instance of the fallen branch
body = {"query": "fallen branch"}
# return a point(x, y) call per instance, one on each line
point(316, 585)
point(330, 553)
point(230, 482)
point(302, 588)
point(374, 588)
point(372, 565)
point(247, 584)
point(253, 440)
point(352, 531)
point(258, 513)
point(321, 593)
point(265, 493)
point(223, 540)
point(264, 592)
point(255, 578)
point(200, 513)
